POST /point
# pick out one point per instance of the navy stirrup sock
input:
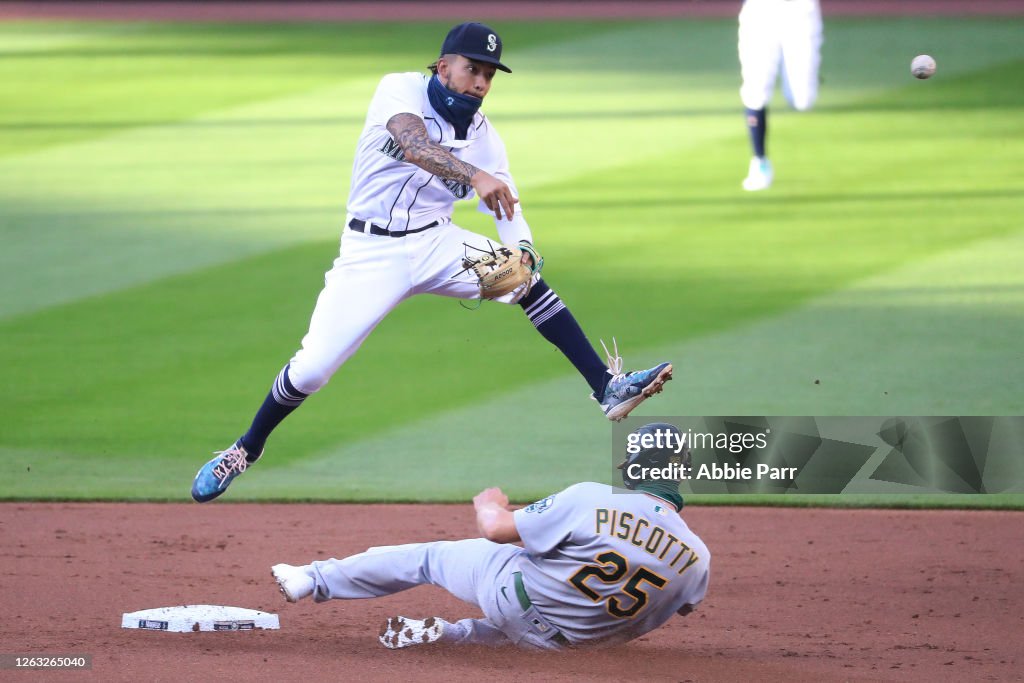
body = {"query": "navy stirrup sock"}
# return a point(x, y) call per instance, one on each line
point(553, 320)
point(280, 402)
point(757, 123)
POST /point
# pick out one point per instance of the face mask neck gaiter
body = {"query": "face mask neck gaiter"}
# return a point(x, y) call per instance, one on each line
point(457, 109)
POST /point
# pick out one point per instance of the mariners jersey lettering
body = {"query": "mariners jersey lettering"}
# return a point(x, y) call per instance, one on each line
point(395, 194)
point(609, 568)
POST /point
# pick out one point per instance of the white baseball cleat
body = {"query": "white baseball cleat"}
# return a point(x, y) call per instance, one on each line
point(399, 632)
point(759, 175)
point(294, 582)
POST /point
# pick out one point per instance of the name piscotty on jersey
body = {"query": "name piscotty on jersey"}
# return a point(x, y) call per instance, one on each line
point(649, 537)
point(393, 193)
point(604, 566)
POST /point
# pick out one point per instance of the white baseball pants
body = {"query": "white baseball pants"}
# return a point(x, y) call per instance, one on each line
point(372, 275)
point(774, 33)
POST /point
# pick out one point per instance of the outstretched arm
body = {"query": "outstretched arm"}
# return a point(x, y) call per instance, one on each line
point(493, 518)
point(411, 135)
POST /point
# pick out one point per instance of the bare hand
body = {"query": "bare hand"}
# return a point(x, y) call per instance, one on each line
point(490, 496)
point(495, 194)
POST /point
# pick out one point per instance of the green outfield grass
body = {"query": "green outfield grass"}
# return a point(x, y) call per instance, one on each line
point(171, 195)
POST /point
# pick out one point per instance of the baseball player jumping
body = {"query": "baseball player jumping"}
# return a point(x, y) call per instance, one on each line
point(424, 146)
point(774, 33)
point(599, 566)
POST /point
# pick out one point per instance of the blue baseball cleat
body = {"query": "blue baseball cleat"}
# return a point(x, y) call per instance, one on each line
point(625, 391)
point(214, 477)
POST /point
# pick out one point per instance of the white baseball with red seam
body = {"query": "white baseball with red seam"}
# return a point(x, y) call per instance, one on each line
point(923, 66)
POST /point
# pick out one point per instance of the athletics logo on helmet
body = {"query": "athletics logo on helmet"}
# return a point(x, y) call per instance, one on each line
point(655, 452)
point(475, 41)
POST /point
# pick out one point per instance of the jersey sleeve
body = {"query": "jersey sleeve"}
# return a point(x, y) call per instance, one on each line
point(550, 522)
point(396, 94)
point(495, 162)
point(514, 230)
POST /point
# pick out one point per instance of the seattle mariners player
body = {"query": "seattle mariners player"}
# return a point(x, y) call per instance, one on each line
point(424, 146)
point(774, 33)
point(599, 566)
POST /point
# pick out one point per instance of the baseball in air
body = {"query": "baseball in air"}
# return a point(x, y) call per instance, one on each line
point(923, 66)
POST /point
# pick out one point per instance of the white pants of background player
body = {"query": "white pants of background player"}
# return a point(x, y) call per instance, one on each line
point(474, 570)
point(774, 33)
point(372, 275)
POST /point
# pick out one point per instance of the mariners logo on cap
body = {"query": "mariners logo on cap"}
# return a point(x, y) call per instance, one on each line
point(475, 41)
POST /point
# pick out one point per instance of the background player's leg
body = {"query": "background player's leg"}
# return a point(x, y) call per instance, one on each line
point(759, 53)
point(801, 54)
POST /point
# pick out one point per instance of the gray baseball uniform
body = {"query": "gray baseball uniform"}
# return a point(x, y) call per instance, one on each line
point(599, 566)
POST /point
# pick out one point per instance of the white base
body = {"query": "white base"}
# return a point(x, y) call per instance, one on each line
point(199, 618)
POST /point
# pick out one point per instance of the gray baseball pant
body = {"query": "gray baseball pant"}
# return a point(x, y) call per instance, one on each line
point(474, 571)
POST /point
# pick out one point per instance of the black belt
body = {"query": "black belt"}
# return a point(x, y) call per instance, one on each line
point(361, 226)
point(524, 602)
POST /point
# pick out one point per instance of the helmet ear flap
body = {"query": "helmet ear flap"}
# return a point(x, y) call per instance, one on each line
point(627, 481)
point(674, 452)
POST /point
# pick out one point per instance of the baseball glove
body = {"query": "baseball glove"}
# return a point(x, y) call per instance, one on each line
point(501, 271)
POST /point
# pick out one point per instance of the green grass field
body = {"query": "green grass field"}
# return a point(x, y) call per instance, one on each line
point(171, 195)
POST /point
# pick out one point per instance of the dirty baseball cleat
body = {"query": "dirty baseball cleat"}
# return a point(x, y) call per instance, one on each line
point(759, 175)
point(399, 632)
point(294, 582)
point(625, 391)
point(214, 477)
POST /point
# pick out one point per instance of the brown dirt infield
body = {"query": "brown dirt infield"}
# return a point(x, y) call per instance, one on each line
point(796, 595)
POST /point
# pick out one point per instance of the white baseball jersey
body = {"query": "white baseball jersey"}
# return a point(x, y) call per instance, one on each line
point(374, 273)
point(607, 565)
point(774, 33)
point(398, 195)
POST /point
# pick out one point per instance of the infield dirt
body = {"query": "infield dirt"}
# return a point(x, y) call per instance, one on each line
point(796, 595)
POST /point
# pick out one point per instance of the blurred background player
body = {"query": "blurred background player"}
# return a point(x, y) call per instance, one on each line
point(774, 34)
point(599, 565)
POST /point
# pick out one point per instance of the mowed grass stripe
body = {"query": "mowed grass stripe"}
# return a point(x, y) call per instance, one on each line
point(72, 81)
point(937, 337)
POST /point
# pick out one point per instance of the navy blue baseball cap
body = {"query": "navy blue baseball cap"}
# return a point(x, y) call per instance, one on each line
point(475, 41)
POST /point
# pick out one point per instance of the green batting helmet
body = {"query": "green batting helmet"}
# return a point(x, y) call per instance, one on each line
point(655, 452)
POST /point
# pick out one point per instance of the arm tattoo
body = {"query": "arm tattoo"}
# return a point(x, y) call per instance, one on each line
point(411, 135)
